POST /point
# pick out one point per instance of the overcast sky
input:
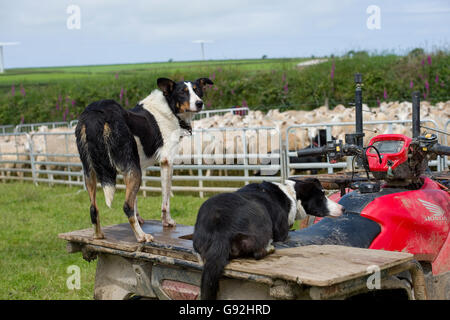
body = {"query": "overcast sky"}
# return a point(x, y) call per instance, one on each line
point(114, 31)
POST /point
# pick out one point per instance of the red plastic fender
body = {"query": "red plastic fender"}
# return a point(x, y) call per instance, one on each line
point(416, 221)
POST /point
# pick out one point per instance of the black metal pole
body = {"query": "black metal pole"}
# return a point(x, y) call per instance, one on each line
point(358, 109)
point(416, 114)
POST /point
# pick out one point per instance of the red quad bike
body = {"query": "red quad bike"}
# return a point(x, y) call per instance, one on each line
point(401, 209)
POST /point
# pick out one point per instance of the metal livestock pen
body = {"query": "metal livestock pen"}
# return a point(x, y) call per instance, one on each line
point(25, 155)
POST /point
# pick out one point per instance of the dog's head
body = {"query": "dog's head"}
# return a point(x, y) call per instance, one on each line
point(311, 197)
point(184, 96)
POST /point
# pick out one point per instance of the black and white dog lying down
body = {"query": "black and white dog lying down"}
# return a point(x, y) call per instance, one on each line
point(246, 222)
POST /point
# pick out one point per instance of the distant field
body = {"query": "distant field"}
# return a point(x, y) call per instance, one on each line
point(50, 74)
point(62, 93)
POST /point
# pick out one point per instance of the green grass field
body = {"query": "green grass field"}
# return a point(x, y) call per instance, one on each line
point(62, 93)
point(34, 261)
point(55, 74)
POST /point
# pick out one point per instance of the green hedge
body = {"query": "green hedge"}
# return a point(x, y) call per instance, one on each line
point(258, 85)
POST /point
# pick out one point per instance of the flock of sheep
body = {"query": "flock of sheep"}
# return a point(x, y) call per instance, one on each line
point(213, 143)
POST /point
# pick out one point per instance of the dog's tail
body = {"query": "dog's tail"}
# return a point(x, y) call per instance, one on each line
point(109, 191)
point(93, 142)
point(216, 258)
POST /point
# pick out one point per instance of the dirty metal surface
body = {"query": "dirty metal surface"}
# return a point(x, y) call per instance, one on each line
point(173, 242)
point(322, 265)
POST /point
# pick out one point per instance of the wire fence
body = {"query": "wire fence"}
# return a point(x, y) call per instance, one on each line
point(211, 160)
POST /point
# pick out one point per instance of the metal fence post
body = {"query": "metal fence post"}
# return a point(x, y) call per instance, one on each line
point(198, 143)
point(33, 166)
point(244, 149)
point(329, 138)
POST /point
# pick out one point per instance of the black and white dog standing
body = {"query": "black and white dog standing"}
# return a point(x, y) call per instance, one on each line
point(113, 140)
point(246, 222)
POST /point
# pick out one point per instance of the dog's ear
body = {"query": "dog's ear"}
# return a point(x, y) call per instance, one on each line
point(166, 86)
point(304, 189)
point(316, 182)
point(202, 82)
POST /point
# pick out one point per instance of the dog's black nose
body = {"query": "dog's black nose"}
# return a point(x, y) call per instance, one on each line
point(199, 104)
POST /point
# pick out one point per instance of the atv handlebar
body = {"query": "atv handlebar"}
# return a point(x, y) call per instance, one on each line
point(312, 151)
point(334, 149)
point(429, 143)
point(440, 150)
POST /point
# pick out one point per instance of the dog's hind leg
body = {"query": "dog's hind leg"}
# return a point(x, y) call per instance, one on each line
point(166, 185)
point(91, 186)
point(132, 180)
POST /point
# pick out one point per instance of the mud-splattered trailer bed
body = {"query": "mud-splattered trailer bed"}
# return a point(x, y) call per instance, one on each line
point(168, 268)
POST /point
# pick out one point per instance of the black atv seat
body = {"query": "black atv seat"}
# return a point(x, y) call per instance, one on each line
point(348, 230)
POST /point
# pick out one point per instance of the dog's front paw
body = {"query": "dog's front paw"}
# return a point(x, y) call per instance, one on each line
point(270, 249)
point(146, 237)
point(170, 223)
point(99, 235)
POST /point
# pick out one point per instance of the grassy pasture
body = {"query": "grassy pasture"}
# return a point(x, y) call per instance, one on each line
point(50, 74)
point(33, 261)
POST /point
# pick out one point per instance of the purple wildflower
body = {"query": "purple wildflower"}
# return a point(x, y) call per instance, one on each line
point(213, 76)
point(13, 90)
point(232, 92)
point(22, 90)
point(436, 79)
point(427, 85)
point(429, 60)
point(283, 79)
point(116, 76)
point(121, 94)
point(385, 95)
point(411, 84)
point(424, 95)
point(378, 101)
point(244, 104)
point(57, 106)
point(423, 62)
point(208, 105)
point(73, 103)
point(65, 114)
point(126, 102)
point(286, 88)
